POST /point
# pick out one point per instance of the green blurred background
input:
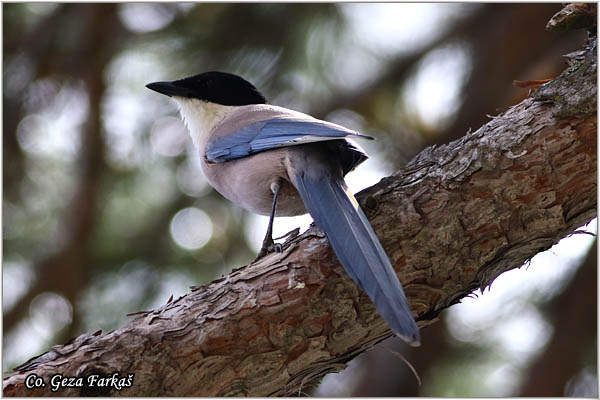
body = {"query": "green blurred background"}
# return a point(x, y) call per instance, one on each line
point(106, 212)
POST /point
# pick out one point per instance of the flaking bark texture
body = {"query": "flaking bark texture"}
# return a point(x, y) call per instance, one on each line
point(451, 221)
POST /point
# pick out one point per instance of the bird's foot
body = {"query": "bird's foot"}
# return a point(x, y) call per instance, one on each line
point(268, 247)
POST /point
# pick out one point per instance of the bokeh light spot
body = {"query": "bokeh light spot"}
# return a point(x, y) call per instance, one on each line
point(50, 312)
point(191, 228)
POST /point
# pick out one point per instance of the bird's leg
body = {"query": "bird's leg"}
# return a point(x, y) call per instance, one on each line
point(269, 245)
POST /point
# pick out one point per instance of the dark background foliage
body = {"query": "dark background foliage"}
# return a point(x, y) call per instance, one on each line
point(105, 211)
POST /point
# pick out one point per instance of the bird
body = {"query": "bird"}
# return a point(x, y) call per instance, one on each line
point(275, 161)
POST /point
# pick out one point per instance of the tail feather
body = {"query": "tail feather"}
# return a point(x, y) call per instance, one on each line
point(336, 211)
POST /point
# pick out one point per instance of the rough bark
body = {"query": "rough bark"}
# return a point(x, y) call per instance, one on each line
point(451, 221)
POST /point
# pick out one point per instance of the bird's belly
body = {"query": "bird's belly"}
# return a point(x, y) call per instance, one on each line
point(247, 183)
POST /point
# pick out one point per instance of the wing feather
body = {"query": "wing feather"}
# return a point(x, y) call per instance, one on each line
point(274, 133)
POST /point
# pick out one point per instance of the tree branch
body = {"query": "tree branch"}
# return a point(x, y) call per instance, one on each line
point(451, 221)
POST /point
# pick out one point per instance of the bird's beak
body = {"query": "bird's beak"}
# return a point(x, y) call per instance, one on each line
point(168, 88)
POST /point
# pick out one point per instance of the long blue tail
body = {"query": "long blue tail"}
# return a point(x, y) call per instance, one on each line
point(336, 211)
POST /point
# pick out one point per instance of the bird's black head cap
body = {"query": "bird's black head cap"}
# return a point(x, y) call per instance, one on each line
point(216, 87)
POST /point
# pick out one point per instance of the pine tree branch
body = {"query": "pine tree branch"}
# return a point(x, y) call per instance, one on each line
point(451, 221)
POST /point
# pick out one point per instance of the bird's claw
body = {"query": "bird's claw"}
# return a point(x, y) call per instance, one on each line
point(275, 247)
point(268, 247)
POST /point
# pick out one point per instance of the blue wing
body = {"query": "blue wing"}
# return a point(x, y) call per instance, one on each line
point(273, 133)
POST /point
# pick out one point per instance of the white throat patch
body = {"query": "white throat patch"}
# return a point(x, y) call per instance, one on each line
point(201, 118)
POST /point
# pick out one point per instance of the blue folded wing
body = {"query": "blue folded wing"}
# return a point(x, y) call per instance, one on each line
point(273, 133)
